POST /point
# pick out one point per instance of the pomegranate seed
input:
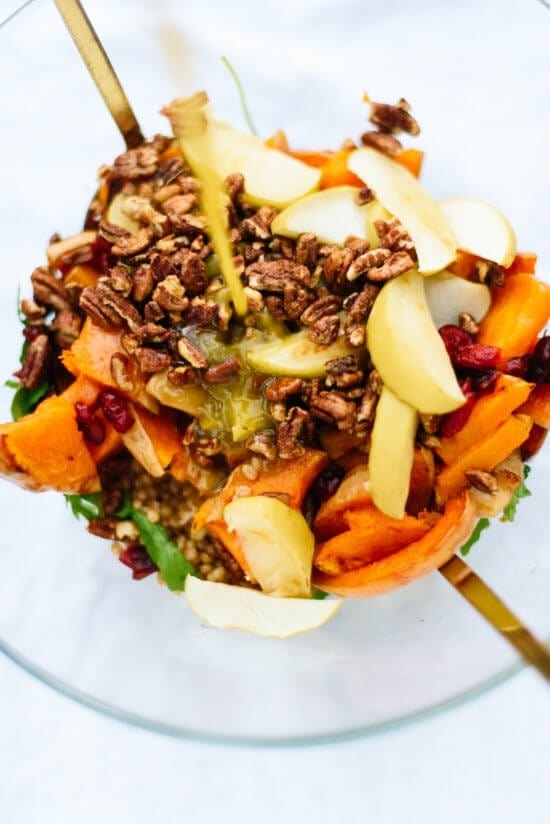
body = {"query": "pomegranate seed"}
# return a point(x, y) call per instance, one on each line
point(517, 366)
point(327, 483)
point(454, 421)
point(477, 356)
point(136, 558)
point(89, 424)
point(115, 408)
point(485, 381)
point(454, 339)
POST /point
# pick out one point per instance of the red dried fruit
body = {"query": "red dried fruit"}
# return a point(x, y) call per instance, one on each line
point(116, 410)
point(327, 483)
point(517, 366)
point(477, 356)
point(102, 259)
point(30, 333)
point(136, 558)
point(91, 426)
point(454, 421)
point(454, 339)
point(485, 380)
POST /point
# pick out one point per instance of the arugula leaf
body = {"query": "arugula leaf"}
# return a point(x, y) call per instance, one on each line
point(87, 506)
point(25, 400)
point(318, 594)
point(242, 97)
point(482, 524)
point(173, 567)
point(509, 511)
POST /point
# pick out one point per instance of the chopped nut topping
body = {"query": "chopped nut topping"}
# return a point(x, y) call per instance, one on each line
point(66, 327)
point(334, 408)
point(222, 372)
point(170, 295)
point(394, 236)
point(430, 423)
point(49, 290)
point(360, 308)
point(295, 300)
point(364, 195)
point(135, 163)
point(121, 280)
point(489, 273)
point(366, 262)
point(107, 308)
point(34, 313)
point(34, 365)
point(484, 481)
point(397, 264)
point(262, 444)
point(272, 275)
point(143, 283)
point(343, 372)
point(193, 274)
point(306, 250)
point(386, 143)
point(182, 376)
point(391, 119)
point(151, 360)
point(335, 269)
point(130, 245)
point(282, 388)
point(322, 307)
point(191, 354)
point(325, 330)
point(468, 323)
point(254, 298)
point(289, 433)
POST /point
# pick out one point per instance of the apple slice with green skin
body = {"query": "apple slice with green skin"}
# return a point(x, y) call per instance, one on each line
point(391, 453)
point(231, 607)
point(277, 544)
point(403, 196)
point(271, 177)
point(449, 295)
point(332, 215)
point(481, 229)
point(295, 356)
point(407, 349)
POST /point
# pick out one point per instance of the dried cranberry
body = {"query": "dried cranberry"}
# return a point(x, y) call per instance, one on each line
point(484, 380)
point(116, 410)
point(327, 483)
point(454, 421)
point(477, 356)
point(517, 366)
point(454, 339)
point(102, 259)
point(91, 426)
point(30, 333)
point(539, 368)
point(136, 558)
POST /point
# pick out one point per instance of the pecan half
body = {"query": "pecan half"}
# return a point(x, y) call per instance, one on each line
point(306, 251)
point(193, 274)
point(364, 195)
point(49, 290)
point(361, 305)
point(332, 407)
point(282, 388)
point(191, 354)
point(295, 300)
point(262, 444)
point(366, 262)
point(222, 372)
point(170, 295)
point(35, 363)
point(468, 323)
point(135, 163)
point(343, 372)
point(391, 119)
point(107, 308)
point(178, 207)
point(120, 280)
point(386, 143)
point(143, 283)
point(335, 269)
point(489, 273)
point(182, 376)
point(272, 275)
point(325, 330)
point(484, 481)
point(397, 264)
point(130, 245)
point(258, 226)
point(289, 433)
point(120, 372)
point(151, 360)
point(66, 327)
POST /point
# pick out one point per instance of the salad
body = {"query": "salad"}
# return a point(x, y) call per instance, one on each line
point(271, 375)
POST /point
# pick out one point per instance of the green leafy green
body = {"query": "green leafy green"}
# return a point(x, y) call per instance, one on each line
point(173, 567)
point(242, 97)
point(25, 400)
point(509, 511)
point(85, 506)
point(318, 594)
point(481, 526)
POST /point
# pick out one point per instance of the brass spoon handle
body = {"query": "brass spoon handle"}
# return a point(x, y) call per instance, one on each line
point(495, 611)
point(99, 66)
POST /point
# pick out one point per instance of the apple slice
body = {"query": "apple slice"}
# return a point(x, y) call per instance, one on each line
point(391, 453)
point(118, 217)
point(480, 229)
point(448, 296)
point(295, 356)
point(271, 177)
point(407, 349)
point(276, 542)
point(332, 215)
point(230, 607)
point(402, 195)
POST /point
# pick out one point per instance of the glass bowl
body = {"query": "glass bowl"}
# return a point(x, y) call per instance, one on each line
point(69, 613)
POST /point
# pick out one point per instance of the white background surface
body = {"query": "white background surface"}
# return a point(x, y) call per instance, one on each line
point(486, 761)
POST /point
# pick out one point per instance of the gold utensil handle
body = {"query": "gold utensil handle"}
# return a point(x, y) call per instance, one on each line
point(495, 611)
point(99, 66)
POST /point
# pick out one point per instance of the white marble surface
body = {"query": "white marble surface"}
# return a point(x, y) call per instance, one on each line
point(486, 761)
